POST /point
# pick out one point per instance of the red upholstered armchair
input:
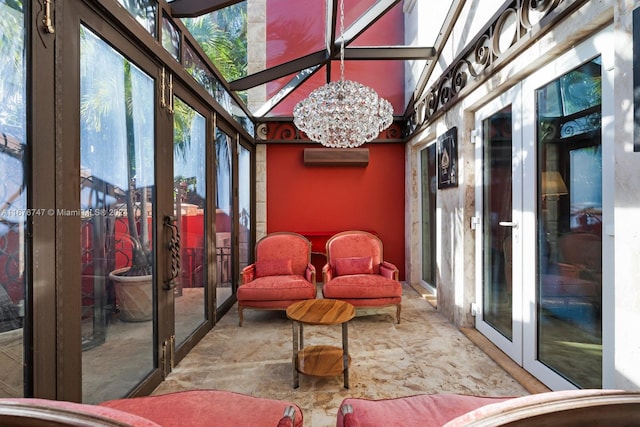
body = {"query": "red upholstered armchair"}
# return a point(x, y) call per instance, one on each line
point(281, 275)
point(357, 273)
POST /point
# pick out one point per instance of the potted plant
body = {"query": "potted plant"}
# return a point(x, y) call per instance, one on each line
point(134, 283)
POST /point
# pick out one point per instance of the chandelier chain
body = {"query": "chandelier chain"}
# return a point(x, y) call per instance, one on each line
point(342, 40)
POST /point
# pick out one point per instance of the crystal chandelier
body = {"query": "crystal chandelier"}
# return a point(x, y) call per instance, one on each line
point(343, 114)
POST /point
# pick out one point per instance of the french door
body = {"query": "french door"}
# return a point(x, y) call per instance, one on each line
point(540, 215)
point(499, 155)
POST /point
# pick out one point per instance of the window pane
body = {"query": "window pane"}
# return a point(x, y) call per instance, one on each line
point(116, 201)
point(222, 34)
point(429, 188)
point(244, 203)
point(189, 180)
point(224, 217)
point(13, 197)
point(144, 11)
point(570, 226)
point(497, 254)
point(170, 38)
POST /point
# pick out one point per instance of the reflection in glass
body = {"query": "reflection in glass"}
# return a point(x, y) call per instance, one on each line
point(497, 256)
point(201, 72)
point(222, 34)
point(570, 225)
point(13, 197)
point(144, 12)
point(189, 137)
point(429, 188)
point(244, 204)
point(116, 205)
point(224, 217)
point(171, 38)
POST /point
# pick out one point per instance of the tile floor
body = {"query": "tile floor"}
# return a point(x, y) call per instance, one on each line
point(423, 354)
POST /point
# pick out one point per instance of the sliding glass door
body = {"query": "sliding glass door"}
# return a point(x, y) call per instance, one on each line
point(190, 207)
point(117, 217)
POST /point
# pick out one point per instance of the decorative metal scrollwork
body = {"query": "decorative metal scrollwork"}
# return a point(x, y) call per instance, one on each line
point(501, 39)
point(173, 245)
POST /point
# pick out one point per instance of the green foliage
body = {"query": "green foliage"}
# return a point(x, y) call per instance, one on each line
point(223, 37)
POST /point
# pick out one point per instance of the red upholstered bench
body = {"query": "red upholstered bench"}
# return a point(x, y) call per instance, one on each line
point(611, 408)
point(32, 412)
point(424, 410)
point(196, 408)
point(207, 408)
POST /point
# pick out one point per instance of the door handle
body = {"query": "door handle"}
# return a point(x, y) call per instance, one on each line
point(508, 224)
point(173, 245)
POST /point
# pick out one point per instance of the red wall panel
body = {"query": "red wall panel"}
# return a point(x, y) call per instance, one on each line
point(318, 199)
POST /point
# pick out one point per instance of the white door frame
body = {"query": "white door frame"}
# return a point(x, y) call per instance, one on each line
point(523, 347)
point(600, 44)
point(513, 347)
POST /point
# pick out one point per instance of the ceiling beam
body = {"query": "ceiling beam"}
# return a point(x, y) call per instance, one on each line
point(193, 8)
point(330, 29)
point(278, 71)
point(389, 52)
point(296, 81)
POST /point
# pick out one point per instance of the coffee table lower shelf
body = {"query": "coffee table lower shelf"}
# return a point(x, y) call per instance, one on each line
point(322, 361)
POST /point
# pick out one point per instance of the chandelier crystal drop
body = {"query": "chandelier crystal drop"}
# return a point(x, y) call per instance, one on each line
point(343, 114)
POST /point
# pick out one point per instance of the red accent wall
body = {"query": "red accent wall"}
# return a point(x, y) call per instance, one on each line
point(317, 199)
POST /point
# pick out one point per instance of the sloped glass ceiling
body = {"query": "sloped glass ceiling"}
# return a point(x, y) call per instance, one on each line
point(273, 53)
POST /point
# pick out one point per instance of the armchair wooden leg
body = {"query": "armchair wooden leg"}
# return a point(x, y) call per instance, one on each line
point(240, 308)
point(398, 313)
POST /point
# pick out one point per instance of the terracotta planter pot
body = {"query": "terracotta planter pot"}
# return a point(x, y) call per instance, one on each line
point(134, 295)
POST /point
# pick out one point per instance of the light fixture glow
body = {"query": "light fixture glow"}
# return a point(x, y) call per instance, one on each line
point(343, 114)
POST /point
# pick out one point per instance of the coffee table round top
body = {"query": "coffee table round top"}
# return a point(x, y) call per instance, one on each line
point(321, 311)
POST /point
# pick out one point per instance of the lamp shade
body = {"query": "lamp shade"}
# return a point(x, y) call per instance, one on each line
point(553, 184)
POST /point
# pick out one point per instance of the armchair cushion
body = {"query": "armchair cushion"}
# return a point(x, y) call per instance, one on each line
point(354, 265)
point(273, 267)
point(277, 288)
point(362, 286)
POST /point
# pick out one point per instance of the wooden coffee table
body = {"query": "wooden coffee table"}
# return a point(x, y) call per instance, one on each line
point(320, 360)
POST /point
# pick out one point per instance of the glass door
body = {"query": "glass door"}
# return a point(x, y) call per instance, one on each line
point(498, 236)
point(225, 233)
point(540, 253)
point(428, 190)
point(117, 217)
point(190, 214)
point(569, 240)
point(245, 241)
